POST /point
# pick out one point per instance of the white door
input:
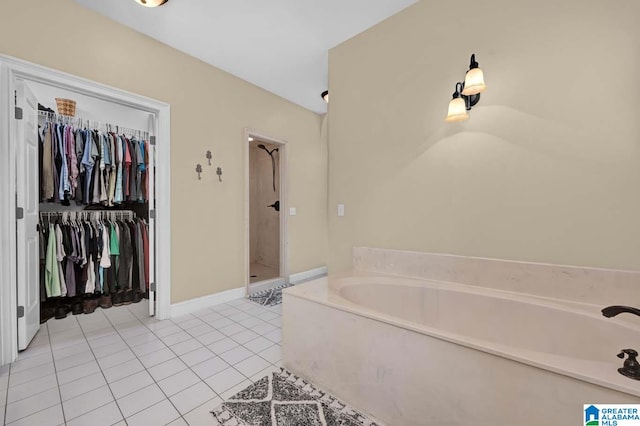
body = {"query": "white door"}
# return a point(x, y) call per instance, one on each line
point(27, 199)
point(152, 223)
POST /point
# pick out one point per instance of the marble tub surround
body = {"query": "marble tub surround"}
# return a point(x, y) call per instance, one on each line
point(595, 286)
point(417, 352)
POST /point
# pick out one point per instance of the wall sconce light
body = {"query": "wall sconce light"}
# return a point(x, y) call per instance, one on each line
point(325, 96)
point(467, 94)
point(151, 3)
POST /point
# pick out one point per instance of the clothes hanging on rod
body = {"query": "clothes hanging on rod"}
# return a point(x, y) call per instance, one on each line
point(99, 256)
point(92, 166)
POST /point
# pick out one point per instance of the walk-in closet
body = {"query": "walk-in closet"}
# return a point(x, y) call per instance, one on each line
point(85, 199)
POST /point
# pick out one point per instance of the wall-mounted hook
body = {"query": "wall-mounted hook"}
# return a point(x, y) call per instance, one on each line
point(209, 156)
point(199, 170)
point(219, 173)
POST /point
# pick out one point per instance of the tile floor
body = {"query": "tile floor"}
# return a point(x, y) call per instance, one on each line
point(120, 367)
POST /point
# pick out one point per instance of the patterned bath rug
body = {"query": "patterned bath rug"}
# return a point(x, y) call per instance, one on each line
point(270, 297)
point(284, 399)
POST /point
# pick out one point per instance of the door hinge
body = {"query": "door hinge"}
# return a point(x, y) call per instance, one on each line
point(19, 213)
point(152, 140)
point(152, 286)
point(18, 113)
point(152, 214)
point(20, 311)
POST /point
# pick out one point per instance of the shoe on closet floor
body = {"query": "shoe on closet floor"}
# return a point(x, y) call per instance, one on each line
point(137, 296)
point(77, 308)
point(105, 301)
point(116, 298)
point(61, 312)
point(89, 305)
point(127, 297)
point(46, 314)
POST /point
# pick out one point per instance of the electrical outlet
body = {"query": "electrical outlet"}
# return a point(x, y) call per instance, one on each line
point(340, 210)
point(292, 211)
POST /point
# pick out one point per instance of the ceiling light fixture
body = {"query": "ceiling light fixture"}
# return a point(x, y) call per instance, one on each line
point(250, 139)
point(151, 3)
point(325, 96)
point(467, 94)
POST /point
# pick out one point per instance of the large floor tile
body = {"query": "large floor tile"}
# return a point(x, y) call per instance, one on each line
point(157, 357)
point(201, 416)
point(196, 357)
point(161, 413)
point(118, 372)
point(192, 397)
point(236, 355)
point(140, 400)
point(222, 345)
point(208, 368)
point(81, 386)
point(105, 415)
point(272, 354)
point(224, 380)
point(178, 382)
point(31, 405)
point(252, 365)
point(51, 416)
point(87, 402)
point(167, 368)
point(130, 384)
point(30, 388)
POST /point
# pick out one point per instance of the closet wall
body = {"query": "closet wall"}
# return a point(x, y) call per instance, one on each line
point(209, 111)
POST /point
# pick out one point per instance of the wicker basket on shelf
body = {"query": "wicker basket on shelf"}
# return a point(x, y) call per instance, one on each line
point(66, 107)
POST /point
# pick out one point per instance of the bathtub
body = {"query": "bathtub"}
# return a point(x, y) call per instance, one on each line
point(425, 352)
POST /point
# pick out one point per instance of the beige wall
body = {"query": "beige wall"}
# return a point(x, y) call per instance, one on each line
point(209, 110)
point(264, 221)
point(546, 169)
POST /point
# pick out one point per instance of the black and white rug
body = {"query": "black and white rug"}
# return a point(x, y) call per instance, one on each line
point(271, 297)
point(284, 399)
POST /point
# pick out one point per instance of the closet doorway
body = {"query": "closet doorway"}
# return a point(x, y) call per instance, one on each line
point(24, 210)
point(266, 215)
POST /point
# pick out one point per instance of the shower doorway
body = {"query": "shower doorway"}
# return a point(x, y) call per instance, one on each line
point(266, 224)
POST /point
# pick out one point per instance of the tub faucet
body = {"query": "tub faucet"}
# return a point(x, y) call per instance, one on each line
point(612, 311)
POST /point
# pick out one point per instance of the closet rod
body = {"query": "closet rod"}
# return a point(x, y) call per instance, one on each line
point(90, 214)
point(99, 125)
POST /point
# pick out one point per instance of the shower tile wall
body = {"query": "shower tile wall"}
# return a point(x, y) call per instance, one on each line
point(264, 221)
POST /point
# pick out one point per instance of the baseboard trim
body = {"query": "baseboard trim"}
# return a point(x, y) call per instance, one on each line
point(204, 302)
point(308, 275)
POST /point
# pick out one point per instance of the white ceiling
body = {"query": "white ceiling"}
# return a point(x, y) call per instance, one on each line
point(279, 45)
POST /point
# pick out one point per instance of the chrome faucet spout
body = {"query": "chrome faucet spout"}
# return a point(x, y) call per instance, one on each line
point(612, 311)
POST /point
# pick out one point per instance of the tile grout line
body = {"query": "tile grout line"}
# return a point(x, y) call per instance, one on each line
point(145, 369)
point(55, 372)
point(6, 397)
point(101, 370)
point(271, 365)
point(46, 408)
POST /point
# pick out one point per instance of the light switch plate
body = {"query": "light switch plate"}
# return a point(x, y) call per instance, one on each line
point(340, 210)
point(292, 211)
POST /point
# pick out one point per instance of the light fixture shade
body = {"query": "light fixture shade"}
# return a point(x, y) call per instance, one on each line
point(457, 110)
point(474, 82)
point(151, 3)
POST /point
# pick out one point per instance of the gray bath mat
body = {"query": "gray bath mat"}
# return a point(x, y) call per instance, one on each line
point(284, 399)
point(271, 297)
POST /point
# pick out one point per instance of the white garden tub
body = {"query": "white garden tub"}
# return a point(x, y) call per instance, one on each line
point(421, 352)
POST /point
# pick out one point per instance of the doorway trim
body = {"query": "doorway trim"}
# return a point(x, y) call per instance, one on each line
point(284, 205)
point(13, 69)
